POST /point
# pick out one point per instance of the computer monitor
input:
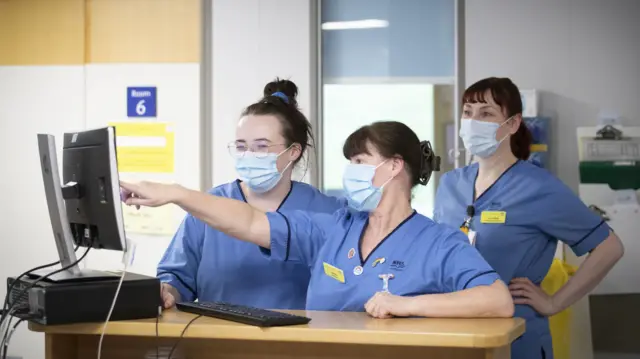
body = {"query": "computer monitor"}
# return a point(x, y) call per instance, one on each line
point(86, 209)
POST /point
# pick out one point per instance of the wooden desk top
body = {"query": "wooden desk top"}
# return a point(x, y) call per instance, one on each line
point(325, 327)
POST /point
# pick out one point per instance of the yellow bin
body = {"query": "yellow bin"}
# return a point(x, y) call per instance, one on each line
point(558, 275)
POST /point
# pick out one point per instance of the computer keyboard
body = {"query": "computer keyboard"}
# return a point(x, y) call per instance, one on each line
point(242, 314)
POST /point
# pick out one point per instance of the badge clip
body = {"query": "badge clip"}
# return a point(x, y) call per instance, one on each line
point(385, 281)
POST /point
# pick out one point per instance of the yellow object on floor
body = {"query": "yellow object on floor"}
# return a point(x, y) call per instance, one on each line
point(558, 275)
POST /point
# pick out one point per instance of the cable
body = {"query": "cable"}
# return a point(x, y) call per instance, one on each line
point(158, 334)
point(5, 334)
point(7, 296)
point(8, 337)
point(128, 260)
point(32, 284)
point(113, 305)
point(182, 336)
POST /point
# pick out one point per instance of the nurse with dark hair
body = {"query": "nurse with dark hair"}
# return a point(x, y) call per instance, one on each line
point(379, 255)
point(515, 212)
point(206, 264)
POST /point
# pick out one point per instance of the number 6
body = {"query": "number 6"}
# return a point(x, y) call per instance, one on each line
point(141, 109)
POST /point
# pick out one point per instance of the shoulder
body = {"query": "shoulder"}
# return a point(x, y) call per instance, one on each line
point(433, 233)
point(316, 201)
point(540, 181)
point(455, 176)
point(224, 190)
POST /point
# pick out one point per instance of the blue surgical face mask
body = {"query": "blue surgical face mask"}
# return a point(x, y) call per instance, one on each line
point(259, 171)
point(479, 137)
point(357, 182)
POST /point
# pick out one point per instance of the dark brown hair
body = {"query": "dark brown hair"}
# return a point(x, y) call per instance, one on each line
point(395, 139)
point(280, 100)
point(506, 95)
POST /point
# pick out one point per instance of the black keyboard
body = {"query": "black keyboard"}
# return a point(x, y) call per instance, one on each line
point(243, 314)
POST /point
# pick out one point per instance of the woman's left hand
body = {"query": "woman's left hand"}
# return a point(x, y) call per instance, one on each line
point(386, 305)
point(525, 292)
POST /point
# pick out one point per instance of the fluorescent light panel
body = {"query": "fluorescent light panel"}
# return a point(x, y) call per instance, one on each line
point(357, 24)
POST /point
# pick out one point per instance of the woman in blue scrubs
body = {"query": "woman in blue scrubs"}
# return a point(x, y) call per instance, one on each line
point(206, 264)
point(515, 212)
point(379, 255)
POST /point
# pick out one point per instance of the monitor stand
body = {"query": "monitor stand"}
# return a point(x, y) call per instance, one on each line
point(74, 274)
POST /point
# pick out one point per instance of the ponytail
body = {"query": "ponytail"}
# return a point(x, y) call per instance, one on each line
point(521, 142)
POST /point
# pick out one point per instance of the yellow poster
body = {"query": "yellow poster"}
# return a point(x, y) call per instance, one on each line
point(145, 147)
point(152, 221)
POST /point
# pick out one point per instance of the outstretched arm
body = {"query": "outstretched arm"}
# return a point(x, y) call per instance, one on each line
point(289, 235)
point(235, 218)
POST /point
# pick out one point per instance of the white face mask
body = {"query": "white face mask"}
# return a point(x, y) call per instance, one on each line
point(479, 137)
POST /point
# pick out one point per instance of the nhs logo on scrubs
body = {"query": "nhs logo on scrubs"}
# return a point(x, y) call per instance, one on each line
point(397, 265)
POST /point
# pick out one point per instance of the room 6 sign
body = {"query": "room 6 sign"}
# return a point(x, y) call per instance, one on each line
point(141, 101)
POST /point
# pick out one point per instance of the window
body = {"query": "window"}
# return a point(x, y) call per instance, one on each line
point(386, 60)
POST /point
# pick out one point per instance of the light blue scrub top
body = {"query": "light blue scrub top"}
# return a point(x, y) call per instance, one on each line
point(424, 257)
point(540, 210)
point(205, 264)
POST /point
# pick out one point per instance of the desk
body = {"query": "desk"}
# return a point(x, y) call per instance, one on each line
point(329, 335)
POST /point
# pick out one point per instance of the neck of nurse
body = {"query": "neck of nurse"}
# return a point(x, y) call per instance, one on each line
point(392, 210)
point(270, 201)
point(492, 167)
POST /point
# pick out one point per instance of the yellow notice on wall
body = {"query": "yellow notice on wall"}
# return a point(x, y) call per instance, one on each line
point(145, 147)
point(157, 221)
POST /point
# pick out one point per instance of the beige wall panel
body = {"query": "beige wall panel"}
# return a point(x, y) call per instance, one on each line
point(42, 32)
point(143, 31)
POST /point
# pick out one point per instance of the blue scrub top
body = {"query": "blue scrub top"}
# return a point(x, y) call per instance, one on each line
point(423, 256)
point(539, 210)
point(205, 264)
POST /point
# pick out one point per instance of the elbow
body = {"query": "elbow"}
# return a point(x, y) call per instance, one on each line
point(612, 248)
point(499, 302)
point(619, 247)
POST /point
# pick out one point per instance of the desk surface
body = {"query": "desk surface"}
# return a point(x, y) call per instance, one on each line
point(325, 327)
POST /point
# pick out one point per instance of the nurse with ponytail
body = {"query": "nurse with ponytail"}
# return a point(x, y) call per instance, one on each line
point(515, 212)
point(208, 265)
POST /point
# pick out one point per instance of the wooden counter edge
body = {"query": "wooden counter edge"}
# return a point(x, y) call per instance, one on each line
point(291, 334)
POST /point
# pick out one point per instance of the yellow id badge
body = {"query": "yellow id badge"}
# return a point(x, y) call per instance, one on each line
point(333, 272)
point(493, 217)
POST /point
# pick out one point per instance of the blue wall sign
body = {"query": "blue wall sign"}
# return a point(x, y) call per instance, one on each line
point(141, 101)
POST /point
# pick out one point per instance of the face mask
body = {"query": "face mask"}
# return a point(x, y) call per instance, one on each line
point(479, 137)
point(259, 171)
point(357, 181)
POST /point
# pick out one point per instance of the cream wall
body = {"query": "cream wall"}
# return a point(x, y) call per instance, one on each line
point(65, 66)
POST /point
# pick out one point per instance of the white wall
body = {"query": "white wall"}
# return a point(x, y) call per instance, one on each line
point(585, 57)
point(178, 102)
point(33, 99)
point(255, 41)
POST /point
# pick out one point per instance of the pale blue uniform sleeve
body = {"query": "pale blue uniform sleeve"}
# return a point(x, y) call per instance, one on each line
point(562, 215)
point(179, 265)
point(463, 267)
point(298, 236)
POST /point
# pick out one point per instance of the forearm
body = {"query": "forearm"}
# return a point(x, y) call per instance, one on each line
point(478, 302)
point(235, 218)
point(591, 272)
